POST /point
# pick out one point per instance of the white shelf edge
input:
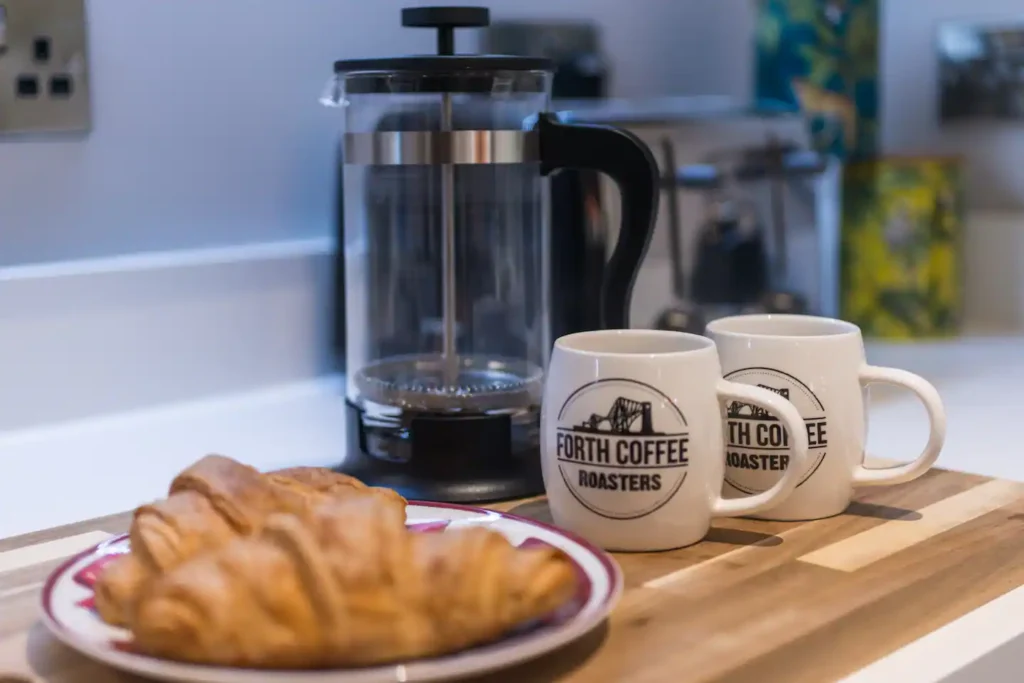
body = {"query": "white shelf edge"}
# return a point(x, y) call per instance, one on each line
point(162, 260)
point(85, 338)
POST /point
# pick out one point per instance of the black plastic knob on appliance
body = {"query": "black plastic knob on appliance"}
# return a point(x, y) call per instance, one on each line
point(446, 20)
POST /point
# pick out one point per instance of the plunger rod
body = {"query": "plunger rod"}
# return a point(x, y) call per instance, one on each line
point(448, 252)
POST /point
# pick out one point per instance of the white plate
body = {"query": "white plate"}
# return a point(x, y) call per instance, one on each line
point(67, 612)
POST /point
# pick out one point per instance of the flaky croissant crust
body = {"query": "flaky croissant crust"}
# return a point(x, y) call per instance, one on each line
point(349, 585)
point(209, 504)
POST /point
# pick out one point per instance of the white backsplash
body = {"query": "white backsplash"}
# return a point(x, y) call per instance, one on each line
point(208, 133)
point(207, 130)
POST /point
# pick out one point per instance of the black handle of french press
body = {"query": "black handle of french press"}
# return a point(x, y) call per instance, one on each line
point(446, 20)
point(628, 161)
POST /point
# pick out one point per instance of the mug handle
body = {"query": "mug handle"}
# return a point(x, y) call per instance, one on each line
point(773, 403)
point(926, 393)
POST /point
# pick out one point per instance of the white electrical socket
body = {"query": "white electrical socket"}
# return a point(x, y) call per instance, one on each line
point(44, 67)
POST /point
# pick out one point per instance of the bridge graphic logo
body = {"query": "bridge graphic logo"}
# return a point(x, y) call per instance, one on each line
point(756, 444)
point(620, 447)
point(626, 416)
point(738, 410)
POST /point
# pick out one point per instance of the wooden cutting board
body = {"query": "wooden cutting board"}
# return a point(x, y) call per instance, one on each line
point(756, 602)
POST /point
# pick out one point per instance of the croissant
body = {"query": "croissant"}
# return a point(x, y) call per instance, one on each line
point(347, 586)
point(320, 479)
point(212, 502)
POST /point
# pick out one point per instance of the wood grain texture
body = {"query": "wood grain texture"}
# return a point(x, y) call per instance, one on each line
point(49, 551)
point(894, 536)
point(755, 602)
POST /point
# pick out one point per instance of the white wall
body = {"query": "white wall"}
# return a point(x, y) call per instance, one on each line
point(207, 130)
point(910, 125)
point(207, 127)
point(208, 133)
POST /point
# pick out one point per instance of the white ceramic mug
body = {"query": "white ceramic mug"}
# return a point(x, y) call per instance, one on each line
point(819, 365)
point(632, 438)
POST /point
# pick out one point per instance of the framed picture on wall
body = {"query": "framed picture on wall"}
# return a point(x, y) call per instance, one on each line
point(981, 71)
point(821, 57)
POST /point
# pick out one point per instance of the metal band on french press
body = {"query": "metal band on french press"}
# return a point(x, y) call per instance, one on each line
point(390, 148)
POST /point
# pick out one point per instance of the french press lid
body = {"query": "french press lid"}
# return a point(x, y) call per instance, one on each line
point(446, 71)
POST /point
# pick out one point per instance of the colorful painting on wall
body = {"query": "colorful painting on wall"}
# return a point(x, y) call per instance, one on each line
point(901, 255)
point(821, 57)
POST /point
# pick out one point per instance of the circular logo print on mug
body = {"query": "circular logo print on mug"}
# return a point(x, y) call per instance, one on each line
point(756, 443)
point(622, 448)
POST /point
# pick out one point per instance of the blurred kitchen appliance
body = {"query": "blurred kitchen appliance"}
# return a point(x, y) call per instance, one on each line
point(447, 260)
point(785, 168)
point(730, 267)
point(574, 48)
point(683, 315)
point(745, 179)
point(733, 268)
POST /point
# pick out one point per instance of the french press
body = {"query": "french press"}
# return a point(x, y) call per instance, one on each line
point(446, 253)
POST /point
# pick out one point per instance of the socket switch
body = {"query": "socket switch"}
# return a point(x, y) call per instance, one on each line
point(44, 67)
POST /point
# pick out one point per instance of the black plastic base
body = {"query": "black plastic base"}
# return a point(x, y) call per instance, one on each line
point(471, 459)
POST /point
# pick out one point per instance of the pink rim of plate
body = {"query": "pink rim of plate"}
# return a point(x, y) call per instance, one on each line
point(611, 570)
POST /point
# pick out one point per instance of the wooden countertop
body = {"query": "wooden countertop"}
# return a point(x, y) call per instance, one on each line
point(756, 602)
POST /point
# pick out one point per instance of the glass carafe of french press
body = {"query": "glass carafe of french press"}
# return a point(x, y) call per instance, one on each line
point(446, 242)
